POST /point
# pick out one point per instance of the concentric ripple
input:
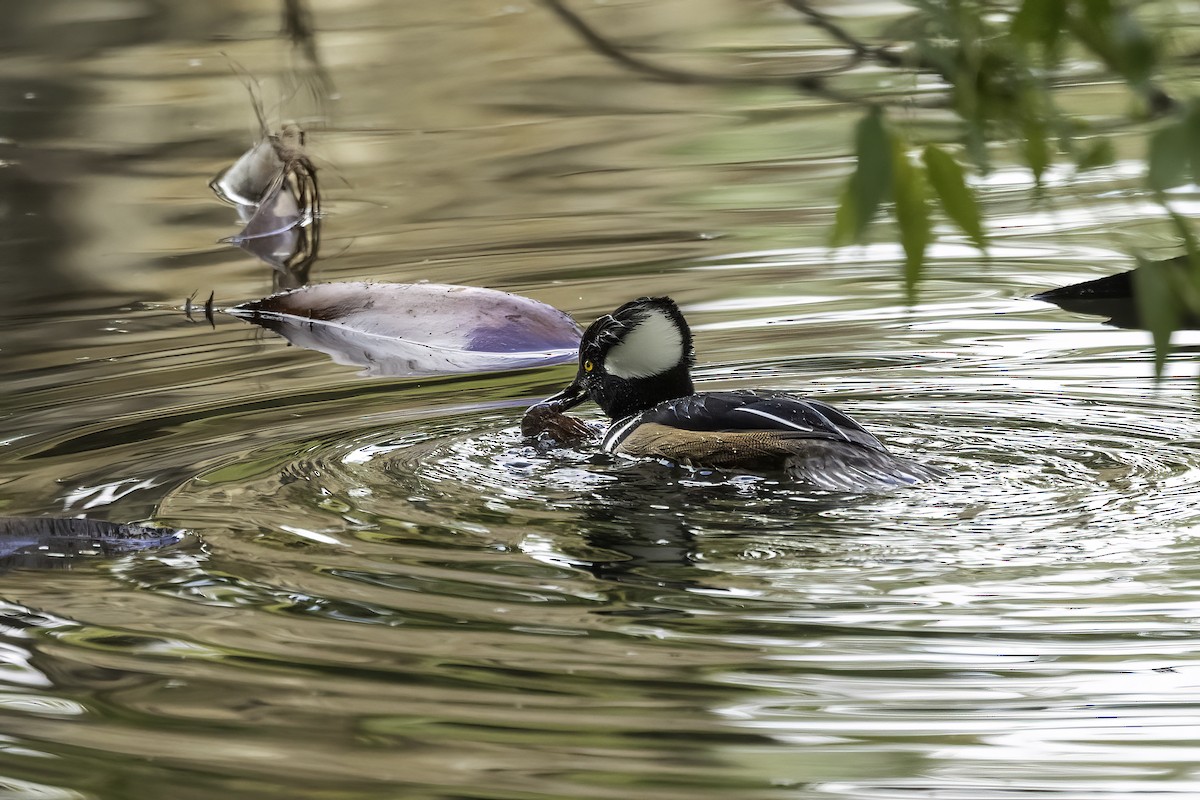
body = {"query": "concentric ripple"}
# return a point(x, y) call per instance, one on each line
point(1028, 483)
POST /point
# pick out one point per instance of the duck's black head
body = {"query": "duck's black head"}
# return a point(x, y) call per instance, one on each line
point(632, 359)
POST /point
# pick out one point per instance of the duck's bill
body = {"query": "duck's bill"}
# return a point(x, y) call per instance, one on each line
point(569, 397)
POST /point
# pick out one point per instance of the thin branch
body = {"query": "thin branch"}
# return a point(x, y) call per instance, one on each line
point(298, 25)
point(862, 50)
point(811, 83)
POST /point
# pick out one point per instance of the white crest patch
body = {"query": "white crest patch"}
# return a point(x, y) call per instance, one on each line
point(654, 346)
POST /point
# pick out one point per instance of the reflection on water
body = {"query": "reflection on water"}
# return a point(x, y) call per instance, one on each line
point(390, 593)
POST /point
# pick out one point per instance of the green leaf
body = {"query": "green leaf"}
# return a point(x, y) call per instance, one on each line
point(872, 180)
point(1034, 146)
point(1099, 153)
point(1169, 156)
point(1039, 22)
point(1185, 232)
point(1068, 131)
point(956, 198)
point(843, 220)
point(1187, 267)
point(912, 216)
point(1191, 124)
point(976, 136)
point(1098, 12)
point(1158, 305)
point(1136, 50)
point(1114, 34)
point(871, 183)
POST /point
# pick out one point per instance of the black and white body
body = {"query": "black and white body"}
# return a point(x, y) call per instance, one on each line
point(636, 365)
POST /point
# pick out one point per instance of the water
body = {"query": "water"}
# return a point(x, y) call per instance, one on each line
point(388, 594)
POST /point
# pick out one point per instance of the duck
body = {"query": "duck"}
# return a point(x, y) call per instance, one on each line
point(1117, 296)
point(636, 365)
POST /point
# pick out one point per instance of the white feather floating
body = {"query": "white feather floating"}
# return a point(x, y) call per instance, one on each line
point(400, 329)
point(247, 181)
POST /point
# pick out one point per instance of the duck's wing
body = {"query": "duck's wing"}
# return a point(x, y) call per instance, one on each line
point(785, 414)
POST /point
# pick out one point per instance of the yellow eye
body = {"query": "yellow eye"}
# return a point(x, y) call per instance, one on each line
point(588, 366)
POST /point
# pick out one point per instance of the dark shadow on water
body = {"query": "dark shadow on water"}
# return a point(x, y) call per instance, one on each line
point(57, 543)
point(654, 520)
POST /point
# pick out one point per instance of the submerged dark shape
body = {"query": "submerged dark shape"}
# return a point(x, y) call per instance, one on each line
point(1115, 296)
point(57, 543)
point(636, 365)
point(401, 329)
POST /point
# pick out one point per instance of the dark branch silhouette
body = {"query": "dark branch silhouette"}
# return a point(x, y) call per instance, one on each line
point(811, 83)
point(861, 49)
point(299, 28)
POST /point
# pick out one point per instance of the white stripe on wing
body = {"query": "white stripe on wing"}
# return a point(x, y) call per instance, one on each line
point(833, 426)
point(617, 433)
point(786, 422)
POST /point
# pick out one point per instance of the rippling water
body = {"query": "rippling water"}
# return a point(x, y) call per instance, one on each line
point(388, 593)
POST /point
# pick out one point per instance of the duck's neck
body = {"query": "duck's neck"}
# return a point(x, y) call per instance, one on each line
point(621, 398)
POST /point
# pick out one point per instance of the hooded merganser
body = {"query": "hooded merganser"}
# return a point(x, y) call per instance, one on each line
point(636, 365)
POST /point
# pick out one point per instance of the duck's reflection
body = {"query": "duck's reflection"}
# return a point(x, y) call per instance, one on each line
point(651, 527)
